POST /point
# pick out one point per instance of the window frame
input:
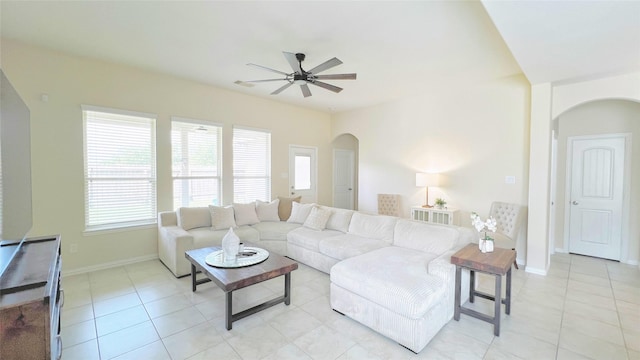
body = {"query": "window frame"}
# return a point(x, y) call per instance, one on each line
point(149, 120)
point(219, 158)
point(266, 155)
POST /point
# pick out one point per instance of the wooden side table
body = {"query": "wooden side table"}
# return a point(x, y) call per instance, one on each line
point(497, 263)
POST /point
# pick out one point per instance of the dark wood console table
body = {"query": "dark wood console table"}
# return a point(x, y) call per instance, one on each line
point(30, 301)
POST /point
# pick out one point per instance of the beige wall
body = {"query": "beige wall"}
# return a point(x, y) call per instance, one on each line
point(57, 155)
point(473, 134)
point(594, 118)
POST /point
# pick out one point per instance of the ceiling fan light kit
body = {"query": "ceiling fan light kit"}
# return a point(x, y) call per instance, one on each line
point(301, 77)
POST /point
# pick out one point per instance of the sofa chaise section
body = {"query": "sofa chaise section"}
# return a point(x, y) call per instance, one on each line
point(404, 291)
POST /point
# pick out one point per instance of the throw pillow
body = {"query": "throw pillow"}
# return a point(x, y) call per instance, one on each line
point(317, 219)
point(299, 212)
point(268, 211)
point(245, 214)
point(284, 208)
point(221, 217)
point(339, 219)
point(193, 217)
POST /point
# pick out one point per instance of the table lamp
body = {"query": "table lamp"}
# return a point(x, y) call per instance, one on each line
point(425, 180)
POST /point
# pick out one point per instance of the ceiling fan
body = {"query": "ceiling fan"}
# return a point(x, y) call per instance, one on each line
point(301, 77)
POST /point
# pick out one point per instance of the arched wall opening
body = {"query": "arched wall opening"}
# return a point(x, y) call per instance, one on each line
point(594, 118)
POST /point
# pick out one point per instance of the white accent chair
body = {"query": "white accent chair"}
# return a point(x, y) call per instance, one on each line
point(509, 220)
point(389, 204)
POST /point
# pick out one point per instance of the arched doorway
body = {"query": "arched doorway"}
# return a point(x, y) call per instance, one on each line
point(586, 122)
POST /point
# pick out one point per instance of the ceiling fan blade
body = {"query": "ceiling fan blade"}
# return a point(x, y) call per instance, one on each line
point(281, 89)
point(266, 80)
point(305, 90)
point(336, 77)
point(325, 65)
point(327, 86)
point(291, 59)
point(269, 69)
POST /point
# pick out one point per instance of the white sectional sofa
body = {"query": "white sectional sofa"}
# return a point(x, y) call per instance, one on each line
point(390, 274)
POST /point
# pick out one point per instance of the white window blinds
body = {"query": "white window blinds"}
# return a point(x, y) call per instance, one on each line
point(196, 163)
point(120, 168)
point(251, 165)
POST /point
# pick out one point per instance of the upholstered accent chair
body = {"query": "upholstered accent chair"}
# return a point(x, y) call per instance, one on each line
point(509, 219)
point(389, 204)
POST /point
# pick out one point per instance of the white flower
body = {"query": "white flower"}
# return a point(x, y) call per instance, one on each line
point(477, 223)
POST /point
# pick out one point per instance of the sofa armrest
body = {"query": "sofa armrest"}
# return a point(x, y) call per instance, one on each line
point(173, 241)
point(167, 218)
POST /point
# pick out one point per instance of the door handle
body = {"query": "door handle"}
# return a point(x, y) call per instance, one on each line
point(574, 202)
point(350, 189)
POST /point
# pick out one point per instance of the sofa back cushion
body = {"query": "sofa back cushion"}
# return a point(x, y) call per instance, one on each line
point(429, 238)
point(339, 219)
point(378, 227)
point(193, 217)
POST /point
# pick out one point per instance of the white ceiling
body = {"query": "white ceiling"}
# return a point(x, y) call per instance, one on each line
point(397, 48)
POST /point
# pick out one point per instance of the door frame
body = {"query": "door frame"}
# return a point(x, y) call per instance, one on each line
point(314, 169)
point(352, 158)
point(626, 189)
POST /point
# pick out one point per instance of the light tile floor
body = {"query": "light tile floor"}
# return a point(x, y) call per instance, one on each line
point(585, 308)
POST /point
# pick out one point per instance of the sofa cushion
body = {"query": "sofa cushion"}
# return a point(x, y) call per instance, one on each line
point(379, 227)
point(299, 212)
point(245, 214)
point(222, 217)
point(393, 277)
point(193, 217)
point(308, 238)
point(427, 237)
point(284, 207)
point(268, 211)
point(271, 230)
point(317, 219)
point(204, 237)
point(344, 246)
point(339, 219)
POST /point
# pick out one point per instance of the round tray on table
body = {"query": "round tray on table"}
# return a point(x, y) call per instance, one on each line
point(249, 256)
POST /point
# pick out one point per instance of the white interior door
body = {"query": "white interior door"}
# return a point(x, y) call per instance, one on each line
point(302, 173)
point(343, 179)
point(596, 196)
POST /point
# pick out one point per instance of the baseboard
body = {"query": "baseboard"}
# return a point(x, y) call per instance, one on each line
point(531, 270)
point(561, 250)
point(108, 265)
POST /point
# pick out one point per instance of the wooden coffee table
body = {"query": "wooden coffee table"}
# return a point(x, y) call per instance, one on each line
point(497, 263)
point(230, 279)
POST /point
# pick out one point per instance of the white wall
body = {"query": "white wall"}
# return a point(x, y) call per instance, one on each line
point(474, 134)
point(57, 155)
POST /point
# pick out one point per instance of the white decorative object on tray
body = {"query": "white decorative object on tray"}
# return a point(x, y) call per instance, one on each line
point(230, 245)
point(250, 256)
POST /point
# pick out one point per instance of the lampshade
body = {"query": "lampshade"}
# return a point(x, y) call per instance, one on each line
point(425, 179)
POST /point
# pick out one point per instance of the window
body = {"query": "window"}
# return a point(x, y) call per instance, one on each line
point(196, 163)
point(119, 168)
point(251, 165)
